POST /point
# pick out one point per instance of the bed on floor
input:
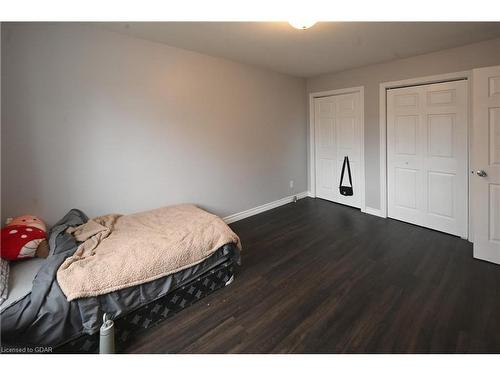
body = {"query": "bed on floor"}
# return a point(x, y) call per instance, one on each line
point(59, 302)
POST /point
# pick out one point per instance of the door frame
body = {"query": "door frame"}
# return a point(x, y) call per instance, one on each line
point(439, 78)
point(312, 138)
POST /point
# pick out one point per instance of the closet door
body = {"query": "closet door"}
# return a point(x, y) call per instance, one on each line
point(427, 156)
point(485, 177)
point(405, 154)
point(338, 134)
point(326, 147)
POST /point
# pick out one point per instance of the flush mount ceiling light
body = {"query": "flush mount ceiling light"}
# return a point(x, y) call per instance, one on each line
point(302, 24)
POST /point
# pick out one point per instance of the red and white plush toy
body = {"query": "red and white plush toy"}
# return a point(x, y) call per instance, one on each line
point(24, 237)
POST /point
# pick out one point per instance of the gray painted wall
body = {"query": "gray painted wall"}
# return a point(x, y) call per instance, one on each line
point(1, 200)
point(109, 123)
point(451, 60)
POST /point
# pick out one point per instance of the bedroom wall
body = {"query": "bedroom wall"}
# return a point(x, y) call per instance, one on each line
point(1, 208)
point(446, 61)
point(109, 123)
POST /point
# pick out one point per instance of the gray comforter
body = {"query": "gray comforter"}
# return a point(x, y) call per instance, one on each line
point(45, 317)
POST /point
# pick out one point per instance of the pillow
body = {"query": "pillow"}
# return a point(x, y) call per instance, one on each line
point(4, 280)
point(21, 237)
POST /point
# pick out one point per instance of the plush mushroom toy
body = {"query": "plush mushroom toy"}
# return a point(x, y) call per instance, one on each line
point(24, 237)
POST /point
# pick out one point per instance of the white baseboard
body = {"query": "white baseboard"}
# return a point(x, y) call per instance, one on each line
point(303, 195)
point(374, 211)
point(265, 207)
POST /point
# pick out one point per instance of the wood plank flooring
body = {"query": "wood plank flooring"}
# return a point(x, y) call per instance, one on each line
point(318, 277)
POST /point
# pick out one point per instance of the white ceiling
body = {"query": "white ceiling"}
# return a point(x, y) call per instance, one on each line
point(326, 47)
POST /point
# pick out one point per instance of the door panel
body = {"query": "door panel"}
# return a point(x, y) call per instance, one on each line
point(493, 83)
point(406, 134)
point(440, 188)
point(427, 156)
point(326, 129)
point(337, 121)
point(347, 133)
point(406, 188)
point(440, 134)
point(327, 168)
point(440, 97)
point(407, 100)
point(485, 190)
point(494, 125)
point(326, 150)
point(494, 214)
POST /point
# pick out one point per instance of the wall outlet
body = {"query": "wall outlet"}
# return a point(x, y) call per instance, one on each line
point(291, 184)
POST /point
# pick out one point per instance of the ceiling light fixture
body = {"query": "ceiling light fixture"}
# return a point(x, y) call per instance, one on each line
point(302, 24)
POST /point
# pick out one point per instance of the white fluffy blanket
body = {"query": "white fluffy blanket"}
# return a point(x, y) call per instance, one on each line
point(122, 251)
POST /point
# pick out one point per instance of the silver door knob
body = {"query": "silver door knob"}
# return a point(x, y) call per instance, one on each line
point(481, 173)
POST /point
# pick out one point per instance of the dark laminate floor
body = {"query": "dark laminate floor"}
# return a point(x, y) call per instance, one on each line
point(318, 277)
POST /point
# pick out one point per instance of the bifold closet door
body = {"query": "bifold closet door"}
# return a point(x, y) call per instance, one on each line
point(337, 123)
point(427, 156)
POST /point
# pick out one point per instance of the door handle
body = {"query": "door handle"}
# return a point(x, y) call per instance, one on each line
point(481, 173)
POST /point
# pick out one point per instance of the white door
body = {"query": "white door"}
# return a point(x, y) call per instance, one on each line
point(427, 156)
point(485, 162)
point(338, 133)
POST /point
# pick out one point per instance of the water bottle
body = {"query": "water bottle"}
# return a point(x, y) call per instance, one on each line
point(107, 336)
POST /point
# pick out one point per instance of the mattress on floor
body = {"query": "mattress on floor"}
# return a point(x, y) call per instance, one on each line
point(145, 318)
point(45, 317)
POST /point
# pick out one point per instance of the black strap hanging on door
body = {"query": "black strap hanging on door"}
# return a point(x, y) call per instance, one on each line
point(346, 190)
